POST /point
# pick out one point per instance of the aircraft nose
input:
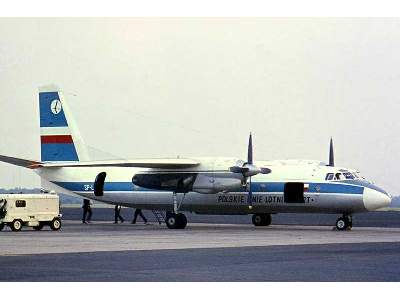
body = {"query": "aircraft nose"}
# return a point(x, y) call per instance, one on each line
point(374, 199)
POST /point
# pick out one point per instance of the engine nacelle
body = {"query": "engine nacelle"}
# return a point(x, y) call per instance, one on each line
point(190, 182)
point(174, 182)
point(210, 184)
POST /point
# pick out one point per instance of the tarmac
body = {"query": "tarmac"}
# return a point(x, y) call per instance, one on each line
point(204, 251)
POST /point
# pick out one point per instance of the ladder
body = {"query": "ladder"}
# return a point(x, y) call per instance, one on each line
point(159, 216)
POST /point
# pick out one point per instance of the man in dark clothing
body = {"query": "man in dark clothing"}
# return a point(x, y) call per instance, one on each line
point(87, 211)
point(117, 211)
point(3, 210)
point(138, 212)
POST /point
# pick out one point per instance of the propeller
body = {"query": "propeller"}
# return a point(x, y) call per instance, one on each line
point(248, 169)
point(331, 155)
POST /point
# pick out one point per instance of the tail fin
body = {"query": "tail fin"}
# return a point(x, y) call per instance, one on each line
point(59, 137)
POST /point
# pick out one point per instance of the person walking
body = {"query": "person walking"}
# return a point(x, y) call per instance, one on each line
point(87, 211)
point(138, 212)
point(117, 214)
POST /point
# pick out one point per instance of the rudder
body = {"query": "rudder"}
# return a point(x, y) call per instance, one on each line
point(59, 137)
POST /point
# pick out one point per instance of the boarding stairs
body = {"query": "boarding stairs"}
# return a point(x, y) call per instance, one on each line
point(159, 216)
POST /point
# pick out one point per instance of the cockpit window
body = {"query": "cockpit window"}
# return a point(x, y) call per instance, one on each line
point(341, 176)
point(329, 176)
point(348, 175)
point(338, 176)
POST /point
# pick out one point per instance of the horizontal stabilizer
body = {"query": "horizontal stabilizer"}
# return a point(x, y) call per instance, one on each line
point(159, 163)
point(31, 164)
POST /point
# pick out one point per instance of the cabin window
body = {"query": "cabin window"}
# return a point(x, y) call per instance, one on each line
point(329, 176)
point(99, 184)
point(20, 203)
point(294, 192)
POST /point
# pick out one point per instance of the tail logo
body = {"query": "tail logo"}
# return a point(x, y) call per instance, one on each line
point(55, 106)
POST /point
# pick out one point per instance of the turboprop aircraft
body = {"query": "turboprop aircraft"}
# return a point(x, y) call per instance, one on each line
point(211, 185)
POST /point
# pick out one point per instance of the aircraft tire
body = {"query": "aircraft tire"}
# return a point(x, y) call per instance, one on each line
point(176, 221)
point(261, 219)
point(16, 225)
point(182, 221)
point(342, 223)
point(172, 221)
point(55, 224)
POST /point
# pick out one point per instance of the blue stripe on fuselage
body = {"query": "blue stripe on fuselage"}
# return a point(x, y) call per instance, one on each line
point(266, 187)
point(278, 187)
point(108, 186)
point(365, 183)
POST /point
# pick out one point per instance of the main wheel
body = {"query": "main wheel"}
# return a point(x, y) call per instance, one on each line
point(55, 224)
point(182, 221)
point(172, 221)
point(39, 227)
point(1, 226)
point(16, 225)
point(342, 223)
point(261, 219)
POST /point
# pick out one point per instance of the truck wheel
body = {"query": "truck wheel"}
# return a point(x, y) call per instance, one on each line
point(1, 226)
point(16, 225)
point(39, 227)
point(55, 224)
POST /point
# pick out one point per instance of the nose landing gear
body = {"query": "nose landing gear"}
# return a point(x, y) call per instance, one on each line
point(344, 223)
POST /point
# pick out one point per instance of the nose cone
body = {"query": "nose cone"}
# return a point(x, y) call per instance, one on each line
point(374, 199)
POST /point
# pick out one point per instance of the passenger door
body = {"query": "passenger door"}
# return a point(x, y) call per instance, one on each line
point(294, 192)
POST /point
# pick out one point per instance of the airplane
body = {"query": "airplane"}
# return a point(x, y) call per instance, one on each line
point(202, 185)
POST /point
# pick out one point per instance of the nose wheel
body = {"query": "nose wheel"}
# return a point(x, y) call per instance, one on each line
point(344, 223)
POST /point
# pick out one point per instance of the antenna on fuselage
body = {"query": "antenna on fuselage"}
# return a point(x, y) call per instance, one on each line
point(331, 155)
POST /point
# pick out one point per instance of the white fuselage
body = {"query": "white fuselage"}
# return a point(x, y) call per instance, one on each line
point(320, 195)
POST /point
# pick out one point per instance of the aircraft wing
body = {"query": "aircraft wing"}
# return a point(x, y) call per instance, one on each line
point(158, 163)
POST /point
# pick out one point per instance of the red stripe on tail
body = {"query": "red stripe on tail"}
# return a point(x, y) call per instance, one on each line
point(56, 139)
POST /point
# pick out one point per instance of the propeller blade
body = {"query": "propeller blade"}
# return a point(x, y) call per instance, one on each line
point(331, 155)
point(247, 169)
point(250, 194)
point(250, 151)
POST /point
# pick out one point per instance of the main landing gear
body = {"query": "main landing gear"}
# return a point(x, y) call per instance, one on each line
point(175, 221)
point(344, 223)
point(261, 219)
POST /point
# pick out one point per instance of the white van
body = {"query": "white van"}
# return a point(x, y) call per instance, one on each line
point(34, 210)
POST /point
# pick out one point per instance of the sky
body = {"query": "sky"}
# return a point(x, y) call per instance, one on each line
point(154, 87)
